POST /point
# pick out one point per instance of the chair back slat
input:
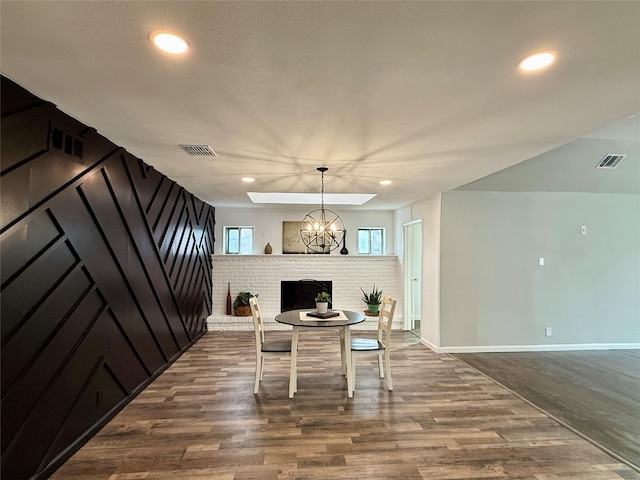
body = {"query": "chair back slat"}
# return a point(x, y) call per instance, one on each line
point(385, 319)
point(258, 324)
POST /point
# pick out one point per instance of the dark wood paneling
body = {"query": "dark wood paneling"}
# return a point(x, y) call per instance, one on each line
point(106, 280)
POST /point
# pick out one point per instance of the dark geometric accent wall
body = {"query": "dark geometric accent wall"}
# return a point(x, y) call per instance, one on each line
point(105, 280)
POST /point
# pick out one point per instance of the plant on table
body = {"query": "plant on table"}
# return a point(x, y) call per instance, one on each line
point(322, 302)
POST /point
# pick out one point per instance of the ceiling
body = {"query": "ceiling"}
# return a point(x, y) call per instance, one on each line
point(425, 94)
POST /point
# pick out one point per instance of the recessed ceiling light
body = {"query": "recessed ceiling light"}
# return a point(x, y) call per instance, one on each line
point(536, 61)
point(169, 42)
point(385, 182)
point(248, 179)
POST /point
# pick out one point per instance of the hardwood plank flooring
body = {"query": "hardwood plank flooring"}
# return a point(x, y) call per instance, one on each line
point(444, 420)
point(595, 392)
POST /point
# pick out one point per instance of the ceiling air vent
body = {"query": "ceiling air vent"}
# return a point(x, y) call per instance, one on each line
point(611, 160)
point(199, 150)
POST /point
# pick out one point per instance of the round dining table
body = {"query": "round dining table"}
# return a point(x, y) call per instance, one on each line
point(300, 319)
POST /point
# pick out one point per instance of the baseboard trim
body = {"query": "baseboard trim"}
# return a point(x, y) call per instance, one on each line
point(531, 348)
point(429, 345)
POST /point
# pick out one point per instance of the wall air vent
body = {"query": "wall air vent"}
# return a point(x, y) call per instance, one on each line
point(199, 150)
point(611, 160)
point(66, 143)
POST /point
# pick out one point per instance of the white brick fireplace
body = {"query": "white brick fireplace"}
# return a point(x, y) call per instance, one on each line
point(262, 274)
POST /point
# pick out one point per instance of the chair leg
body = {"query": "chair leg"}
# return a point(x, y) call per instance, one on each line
point(380, 366)
point(256, 384)
point(387, 362)
point(261, 368)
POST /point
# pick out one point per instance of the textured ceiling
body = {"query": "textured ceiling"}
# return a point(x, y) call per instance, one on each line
point(425, 94)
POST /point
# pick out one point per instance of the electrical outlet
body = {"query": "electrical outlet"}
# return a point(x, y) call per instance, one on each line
point(583, 229)
point(548, 331)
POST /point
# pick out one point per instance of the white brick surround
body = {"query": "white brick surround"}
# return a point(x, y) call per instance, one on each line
point(262, 274)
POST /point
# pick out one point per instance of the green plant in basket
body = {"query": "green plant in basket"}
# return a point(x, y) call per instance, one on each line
point(241, 306)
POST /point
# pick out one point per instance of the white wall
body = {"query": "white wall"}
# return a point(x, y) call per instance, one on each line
point(267, 223)
point(400, 217)
point(495, 296)
point(429, 212)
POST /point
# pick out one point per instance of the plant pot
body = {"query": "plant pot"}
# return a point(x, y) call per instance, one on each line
point(373, 309)
point(242, 311)
point(322, 307)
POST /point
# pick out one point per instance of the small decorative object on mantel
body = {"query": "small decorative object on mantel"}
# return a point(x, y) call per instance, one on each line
point(322, 302)
point(373, 300)
point(241, 307)
point(228, 298)
point(343, 250)
point(268, 249)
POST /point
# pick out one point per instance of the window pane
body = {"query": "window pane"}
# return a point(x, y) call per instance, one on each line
point(233, 240)
point(363, 241)
point(376, 241)
point(246, 241)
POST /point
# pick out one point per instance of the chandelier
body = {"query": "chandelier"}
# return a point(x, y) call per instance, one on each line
point(322, 230)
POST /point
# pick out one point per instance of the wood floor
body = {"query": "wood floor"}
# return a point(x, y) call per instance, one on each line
point(444, 420)
point(595, 392)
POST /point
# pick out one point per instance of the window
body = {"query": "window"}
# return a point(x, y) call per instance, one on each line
point(370, 241)
point(238, 240)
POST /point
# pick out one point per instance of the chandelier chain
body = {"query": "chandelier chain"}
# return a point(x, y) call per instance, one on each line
point(322, 191)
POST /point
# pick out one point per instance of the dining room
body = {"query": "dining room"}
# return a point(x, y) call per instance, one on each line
point(127, 169)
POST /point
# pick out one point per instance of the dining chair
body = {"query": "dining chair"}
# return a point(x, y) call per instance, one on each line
point(263, 347)
point(380, 345)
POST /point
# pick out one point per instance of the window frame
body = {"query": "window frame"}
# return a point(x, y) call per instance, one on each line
point(226, 229)
point(383, 242)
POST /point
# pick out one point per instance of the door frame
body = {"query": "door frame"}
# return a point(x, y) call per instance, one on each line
point(409, 256)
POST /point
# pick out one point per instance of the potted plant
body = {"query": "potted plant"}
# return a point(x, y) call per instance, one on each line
point(322, 302)
point(372, 299)
point(241, 307)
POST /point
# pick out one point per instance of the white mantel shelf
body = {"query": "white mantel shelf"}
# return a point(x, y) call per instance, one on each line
point(262, 274)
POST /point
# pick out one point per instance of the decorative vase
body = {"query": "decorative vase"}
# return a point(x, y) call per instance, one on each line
point(268, 249)
point(343, 250)
point(322, 307)
point(229, 298)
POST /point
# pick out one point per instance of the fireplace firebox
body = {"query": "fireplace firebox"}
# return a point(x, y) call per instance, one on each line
point(298, 294)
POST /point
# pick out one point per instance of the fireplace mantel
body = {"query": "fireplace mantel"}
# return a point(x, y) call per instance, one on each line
point(262, 274)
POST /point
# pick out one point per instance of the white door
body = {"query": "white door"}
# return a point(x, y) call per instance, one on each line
point(413, 273)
